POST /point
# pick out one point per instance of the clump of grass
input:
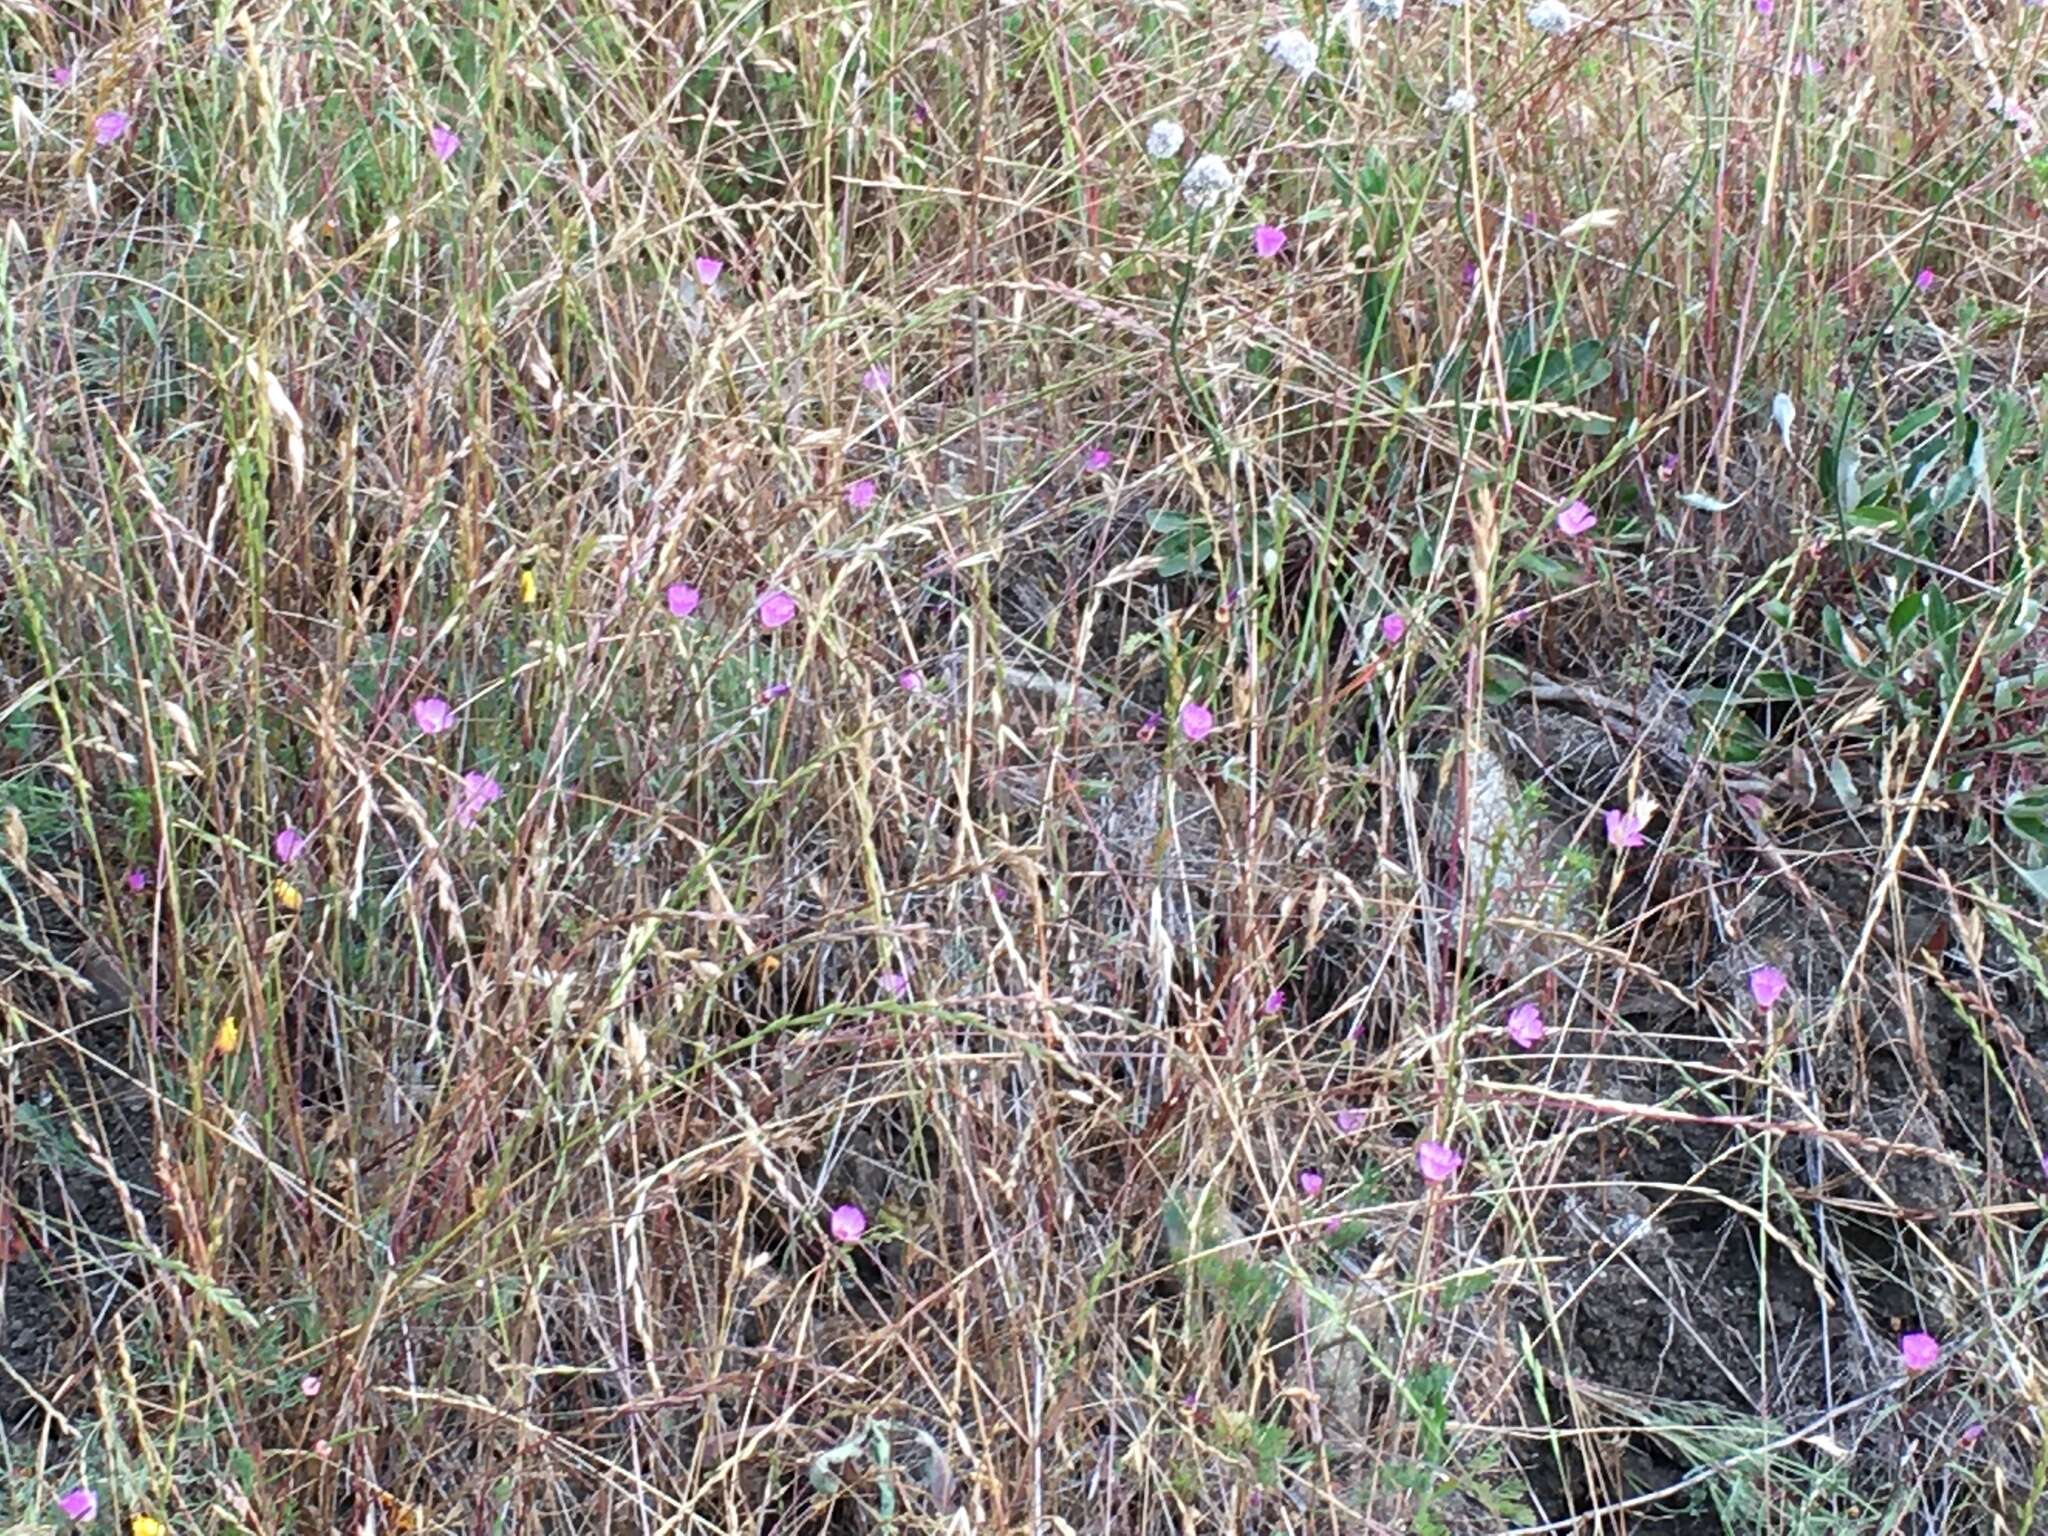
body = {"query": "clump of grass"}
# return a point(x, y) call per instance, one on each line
point(1041, 831)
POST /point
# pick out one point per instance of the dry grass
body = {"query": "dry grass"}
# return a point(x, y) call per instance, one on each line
point(527, 1144)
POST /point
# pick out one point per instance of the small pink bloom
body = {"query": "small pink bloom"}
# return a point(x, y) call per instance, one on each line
point(1765, 7)
point(1624, 829)
point(1311, 1182)
point(1971, 1434)
point(708, 268)
point(63, 74)
point(309, 1386)
point(444, 142)
point(1269, 240)
point(80, 1504)
point(1575, 518)
point(1437, 1162)
point(110, 126)
point(1525, 1025)
point(1349, 1120)
point(773, 692)
point(775, 609)
point(479, 790)
point(848, 1222)
point(1919, 1351)
point(896, 984)
point(875, 380)
point(1095, 460)
point(433, 715)
point(1276, 1000)
point(861, 495)
point(1767, 984)
point(289, 843)
point(1392, 628)
point(138, 880)
point(1149, 725)
point(910, 680)
point(1923, 279)
point(1196, 720)
point(1469, 273)
point(682, 599)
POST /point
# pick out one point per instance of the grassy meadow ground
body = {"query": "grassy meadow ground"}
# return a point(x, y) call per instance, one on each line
point(1194, 736)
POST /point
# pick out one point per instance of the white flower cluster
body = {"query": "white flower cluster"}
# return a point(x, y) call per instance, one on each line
point(1460, 101)
point(1209, 182)
point(1553, 18)
point(1164, 139)
point(1294, 51)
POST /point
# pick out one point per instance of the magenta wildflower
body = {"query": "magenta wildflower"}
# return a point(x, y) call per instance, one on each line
point(1919, 1351)
point(63, 74)
point(848, 1222)
point(1765, 7)
point(138, 880)
point(1525, 1025)
point(433, 715)
point(682, 599)
point(1469, 273)
point(1767, 984)
point(1392, 628)
point(708, 268)
point(1971, 1434)
point(1096, 460)
point(1923, 279)
point(1624, 829)
point(80, 1504)
point(1437, 1162)
point(1196, 720)
point(1276, 1000)
point(110, 126)
point(910, 680)
point(1269, 240)
point(861, 495)
point(444, 142)
point(1575, 518)
point(289, 843)
point(775, 608)
point(479, 790)
point(1349, 1120)
point(773, 692)
point(875, 380)
point(309, 1386)
point(1311, 1181)
point(896, 984)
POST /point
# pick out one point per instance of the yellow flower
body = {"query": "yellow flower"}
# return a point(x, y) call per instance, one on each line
point(147, 1525)
point(529, 589)
point(287, 895)
point(228, 1036)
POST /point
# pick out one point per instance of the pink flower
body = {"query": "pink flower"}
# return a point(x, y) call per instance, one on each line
point(682, 599)
point(1575, 518)
point(708, 268)
point(1269, 240)
point(110, 126)
point(309, 1386)
point(1437, 1162)
point(875, 380)
point(861, 495)
point(773, 692)
point(80, 1504)
point(910, 680)
point(848, 1222)
point(137, 880)
point(1311, 1182)
point(479, 790)
point(1095, 460)
point(443, 141)
point(1469, 273)
point(63, 74)
point(1392, 628)
point(1767, 984)
point(432, 715)
point(896, 984)
point(1923, 279)
point(1196, 720)
point(289, 843)
point(775, 609)
point(1276, 1000)
point(1624, 829)
point(1971, 1434)
point(1349, 1120)
point(1919, 1351)
point(1525, 1025)
point(1765, 7)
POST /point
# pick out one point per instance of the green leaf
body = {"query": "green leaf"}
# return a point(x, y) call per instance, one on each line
point(2026, 815)
point(1773, 684)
